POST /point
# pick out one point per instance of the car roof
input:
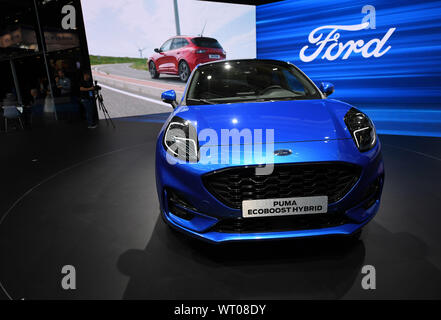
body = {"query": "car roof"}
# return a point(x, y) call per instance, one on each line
point(280, 62)
point(190, 37)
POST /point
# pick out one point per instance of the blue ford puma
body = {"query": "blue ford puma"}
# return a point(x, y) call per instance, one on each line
point(256, 150)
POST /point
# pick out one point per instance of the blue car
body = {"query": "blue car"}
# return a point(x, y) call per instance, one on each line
point(255, 150)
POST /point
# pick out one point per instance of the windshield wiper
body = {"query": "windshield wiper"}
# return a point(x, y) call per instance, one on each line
point(201, 100)
point(282, 98)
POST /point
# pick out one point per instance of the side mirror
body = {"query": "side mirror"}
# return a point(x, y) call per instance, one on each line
point(157, 50)
point(169, 97)
point(326, 87)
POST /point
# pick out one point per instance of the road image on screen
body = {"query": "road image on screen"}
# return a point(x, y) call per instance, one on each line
point(140, 48)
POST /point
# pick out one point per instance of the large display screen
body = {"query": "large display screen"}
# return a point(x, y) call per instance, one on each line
point(382, 56)
point(120, 28)
point(127, 39)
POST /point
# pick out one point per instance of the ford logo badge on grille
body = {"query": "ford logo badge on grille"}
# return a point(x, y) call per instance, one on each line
point(283, 152)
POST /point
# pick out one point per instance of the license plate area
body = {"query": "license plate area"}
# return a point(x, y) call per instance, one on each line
point(284, 206)
point(214, 56)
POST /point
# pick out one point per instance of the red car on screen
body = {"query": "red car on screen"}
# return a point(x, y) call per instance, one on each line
point(180, 55)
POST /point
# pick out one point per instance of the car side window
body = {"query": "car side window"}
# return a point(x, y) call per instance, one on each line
point(292, 82)
point(166, 45)
point(176, 44)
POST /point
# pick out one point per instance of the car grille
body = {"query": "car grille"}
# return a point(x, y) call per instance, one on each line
point(280, 224)
point(233, 185)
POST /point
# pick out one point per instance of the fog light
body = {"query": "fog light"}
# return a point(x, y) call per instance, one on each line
point(178, 206)
point(372, 193)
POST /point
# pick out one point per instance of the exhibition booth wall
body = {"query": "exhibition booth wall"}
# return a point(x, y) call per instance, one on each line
point(382, 56)
point(39, 40)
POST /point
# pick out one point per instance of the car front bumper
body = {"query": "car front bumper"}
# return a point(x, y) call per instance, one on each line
point(221, 237)
point(206, 212)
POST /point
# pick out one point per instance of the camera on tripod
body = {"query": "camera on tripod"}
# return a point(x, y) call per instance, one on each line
point(97, 87)
point(97, 92)
point(100, 103)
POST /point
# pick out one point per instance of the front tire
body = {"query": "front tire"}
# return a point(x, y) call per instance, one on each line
point(154, 74)
point(184, 71)
point(355, 236)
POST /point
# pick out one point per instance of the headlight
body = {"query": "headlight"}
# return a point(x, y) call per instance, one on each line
point(362, 129)
point(180, 140)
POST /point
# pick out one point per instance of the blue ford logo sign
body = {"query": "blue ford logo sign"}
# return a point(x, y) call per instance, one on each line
point(283, 152)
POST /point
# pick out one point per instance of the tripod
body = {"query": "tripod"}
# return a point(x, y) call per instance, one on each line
point(102, 107)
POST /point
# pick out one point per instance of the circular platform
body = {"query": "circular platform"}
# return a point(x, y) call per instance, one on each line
point(101, 216)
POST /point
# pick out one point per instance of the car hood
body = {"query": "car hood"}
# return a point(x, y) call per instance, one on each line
point(293, 120)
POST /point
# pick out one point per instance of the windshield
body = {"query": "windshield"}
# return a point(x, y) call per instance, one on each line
point(248, 80)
